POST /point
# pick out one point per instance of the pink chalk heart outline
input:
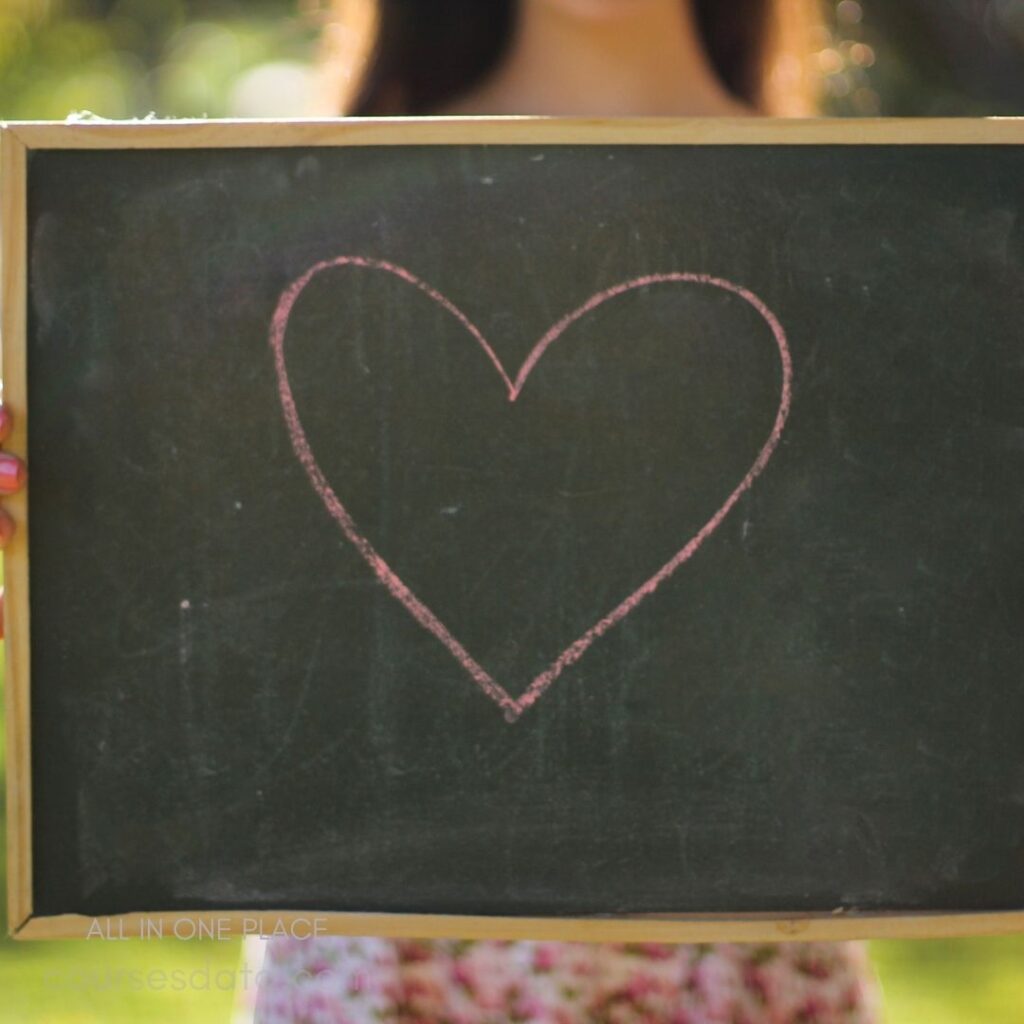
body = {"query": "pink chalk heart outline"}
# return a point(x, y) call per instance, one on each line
point(513, 707)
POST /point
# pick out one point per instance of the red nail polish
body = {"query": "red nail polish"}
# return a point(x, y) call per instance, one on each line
point(12, 473)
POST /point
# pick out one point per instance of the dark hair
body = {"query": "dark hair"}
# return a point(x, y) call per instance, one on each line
point(428, 54)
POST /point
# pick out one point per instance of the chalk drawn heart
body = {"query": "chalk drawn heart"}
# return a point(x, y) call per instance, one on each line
point(513, 707)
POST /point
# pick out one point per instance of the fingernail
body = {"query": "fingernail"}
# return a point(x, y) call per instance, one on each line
point(12, 473)
point(6, 529)
point(5, 422)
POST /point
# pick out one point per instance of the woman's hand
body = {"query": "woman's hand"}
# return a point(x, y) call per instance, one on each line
point(12, 478)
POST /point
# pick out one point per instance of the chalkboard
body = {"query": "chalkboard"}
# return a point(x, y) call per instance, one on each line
point(548, 525)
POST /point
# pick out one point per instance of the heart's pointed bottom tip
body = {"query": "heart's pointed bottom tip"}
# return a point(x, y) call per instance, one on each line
point(512, 713)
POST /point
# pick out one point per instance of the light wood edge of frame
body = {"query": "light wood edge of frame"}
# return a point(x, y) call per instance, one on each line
point(13, 302)
point(184, 134)
point(641, 928)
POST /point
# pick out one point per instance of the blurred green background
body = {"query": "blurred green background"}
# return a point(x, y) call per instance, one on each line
point(187, 58)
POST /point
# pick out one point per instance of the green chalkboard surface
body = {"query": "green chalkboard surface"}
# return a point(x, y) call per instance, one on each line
point(527, 529)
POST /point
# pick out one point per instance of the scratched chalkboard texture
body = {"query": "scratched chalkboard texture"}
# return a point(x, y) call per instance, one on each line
point(327, 473)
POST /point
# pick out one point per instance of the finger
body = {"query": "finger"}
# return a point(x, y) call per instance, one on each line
point(1, 613)
point(6, 422)
point(6, 530)
point(12, 473)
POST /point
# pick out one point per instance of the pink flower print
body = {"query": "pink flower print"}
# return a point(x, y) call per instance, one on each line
point(582, 968)
point(717, 984)
point(755, 982)
point(358, 982)
point(489, 992)
point(545, 957)
point(852, 998)
point(639, 986)
point(320, 1007)
point(411, 951)
point(528, 1007)
point(812, 1011)
point(275, 1009)
point(462, 975)
point(285, 949)
point(658, 950)
point(813, 965)
point(370, 981)
point(421, 997)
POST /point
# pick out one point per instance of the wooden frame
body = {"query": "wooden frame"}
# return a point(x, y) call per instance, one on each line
point(17, 139)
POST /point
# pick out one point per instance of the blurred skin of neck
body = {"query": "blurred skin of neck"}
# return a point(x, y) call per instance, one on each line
point(604, 58)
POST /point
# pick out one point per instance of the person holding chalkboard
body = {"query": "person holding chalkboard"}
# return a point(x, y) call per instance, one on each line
point(584, 58)
point(589, 58)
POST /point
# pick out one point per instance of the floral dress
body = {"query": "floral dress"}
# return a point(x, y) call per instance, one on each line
point(355, 980)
